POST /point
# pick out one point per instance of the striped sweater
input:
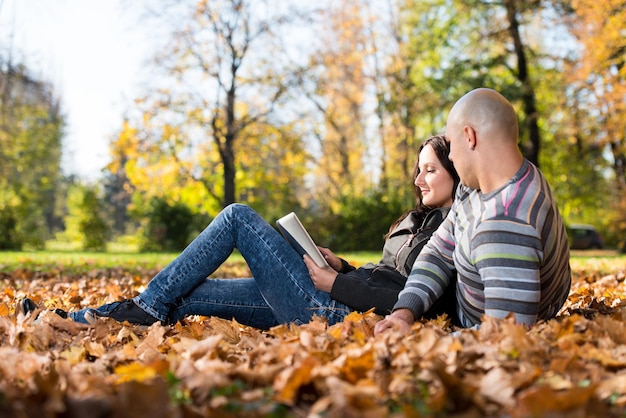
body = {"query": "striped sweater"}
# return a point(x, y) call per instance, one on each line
point(506, 251)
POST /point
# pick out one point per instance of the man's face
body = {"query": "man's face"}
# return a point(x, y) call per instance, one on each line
point(456, 134)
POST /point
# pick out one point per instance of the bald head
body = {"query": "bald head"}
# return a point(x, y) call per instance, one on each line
point(482, 130)
point(489, 113)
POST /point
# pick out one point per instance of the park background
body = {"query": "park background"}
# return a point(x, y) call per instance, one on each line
point(317, 107)
point(313, 107)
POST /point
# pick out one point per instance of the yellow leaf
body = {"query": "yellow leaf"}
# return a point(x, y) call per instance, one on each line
point(353, 316)
point(290, 380)
point(357, 364)
point(74, 355)
point(134, 372)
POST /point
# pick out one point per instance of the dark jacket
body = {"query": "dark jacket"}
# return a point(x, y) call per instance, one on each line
point(378, 285)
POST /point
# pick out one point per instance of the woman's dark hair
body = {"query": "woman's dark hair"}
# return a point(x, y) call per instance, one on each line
point(442, 150)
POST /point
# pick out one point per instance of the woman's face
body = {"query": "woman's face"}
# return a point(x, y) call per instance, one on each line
point(433, 180)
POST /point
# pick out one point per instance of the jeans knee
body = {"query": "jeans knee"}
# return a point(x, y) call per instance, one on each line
point(239, 211)
point(236, 209)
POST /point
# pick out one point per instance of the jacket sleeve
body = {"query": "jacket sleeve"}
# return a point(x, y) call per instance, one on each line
point(346, 267)
point(362, 295)
point(378, 288)
point(434, 219)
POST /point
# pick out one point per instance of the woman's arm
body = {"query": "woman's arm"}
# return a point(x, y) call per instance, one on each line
point(356, 291)
point(380, 291)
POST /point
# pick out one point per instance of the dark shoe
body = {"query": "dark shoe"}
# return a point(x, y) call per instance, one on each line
point(27, 306)
point(127, 310)
point(60, 312)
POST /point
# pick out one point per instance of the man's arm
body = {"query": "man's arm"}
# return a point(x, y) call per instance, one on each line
point(430, 275)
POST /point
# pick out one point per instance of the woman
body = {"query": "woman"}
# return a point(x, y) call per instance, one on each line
point(285, 287)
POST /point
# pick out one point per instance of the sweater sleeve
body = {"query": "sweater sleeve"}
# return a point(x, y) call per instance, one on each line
point(431, 272)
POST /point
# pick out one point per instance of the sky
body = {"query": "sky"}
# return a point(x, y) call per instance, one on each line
point(93, 53)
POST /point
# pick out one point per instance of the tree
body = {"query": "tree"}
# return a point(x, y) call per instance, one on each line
point(117, 186)
point(598, 74)
point(450, 47)
point(445, 48)
point(224, 80)
point(31, 130)
point(168, 227)
point(417, 71)
point(514, 11)
point(340, 92)
point(85, 222)
point(226, 123)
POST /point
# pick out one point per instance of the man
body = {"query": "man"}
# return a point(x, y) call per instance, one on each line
point(503, 247)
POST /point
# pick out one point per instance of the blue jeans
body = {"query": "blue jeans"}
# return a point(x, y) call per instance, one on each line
point(281, 290)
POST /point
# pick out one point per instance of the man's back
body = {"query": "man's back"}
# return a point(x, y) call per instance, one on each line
point(512, 252)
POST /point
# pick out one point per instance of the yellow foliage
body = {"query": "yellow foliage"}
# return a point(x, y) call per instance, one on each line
point(599, 26)
point(74, 354)
point(134, 371)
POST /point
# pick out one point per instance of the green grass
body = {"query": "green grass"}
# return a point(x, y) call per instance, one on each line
point(603, 262)
point(599, 261)
point(78, 261)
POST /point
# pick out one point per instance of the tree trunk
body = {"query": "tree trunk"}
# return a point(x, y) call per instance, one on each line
point(531, 151)
point(228, 154)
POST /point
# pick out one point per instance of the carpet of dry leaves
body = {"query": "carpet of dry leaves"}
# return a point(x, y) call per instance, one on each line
point(574, 365)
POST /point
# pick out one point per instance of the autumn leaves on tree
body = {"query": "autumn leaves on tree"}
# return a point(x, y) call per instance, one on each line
point(311, 104)
point(302, 106)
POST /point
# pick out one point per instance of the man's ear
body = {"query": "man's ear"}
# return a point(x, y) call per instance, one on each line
point(470, 136)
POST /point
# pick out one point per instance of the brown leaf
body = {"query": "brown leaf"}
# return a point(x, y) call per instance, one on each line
point(571, 365)
point(542, 401)
point(356, 364)
point(95, 349)
point(148, 348)
point(193, 349)
point(497, 386)
point(346, 400)
point(615, 385)
point(143, 398)
point(230, 330)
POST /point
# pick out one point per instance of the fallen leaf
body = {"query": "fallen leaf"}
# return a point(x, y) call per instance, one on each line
point(290, 380)
point(134, 371)
point(497, 386)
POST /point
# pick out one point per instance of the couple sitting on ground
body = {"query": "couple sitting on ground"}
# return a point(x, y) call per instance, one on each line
point(498, 247)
